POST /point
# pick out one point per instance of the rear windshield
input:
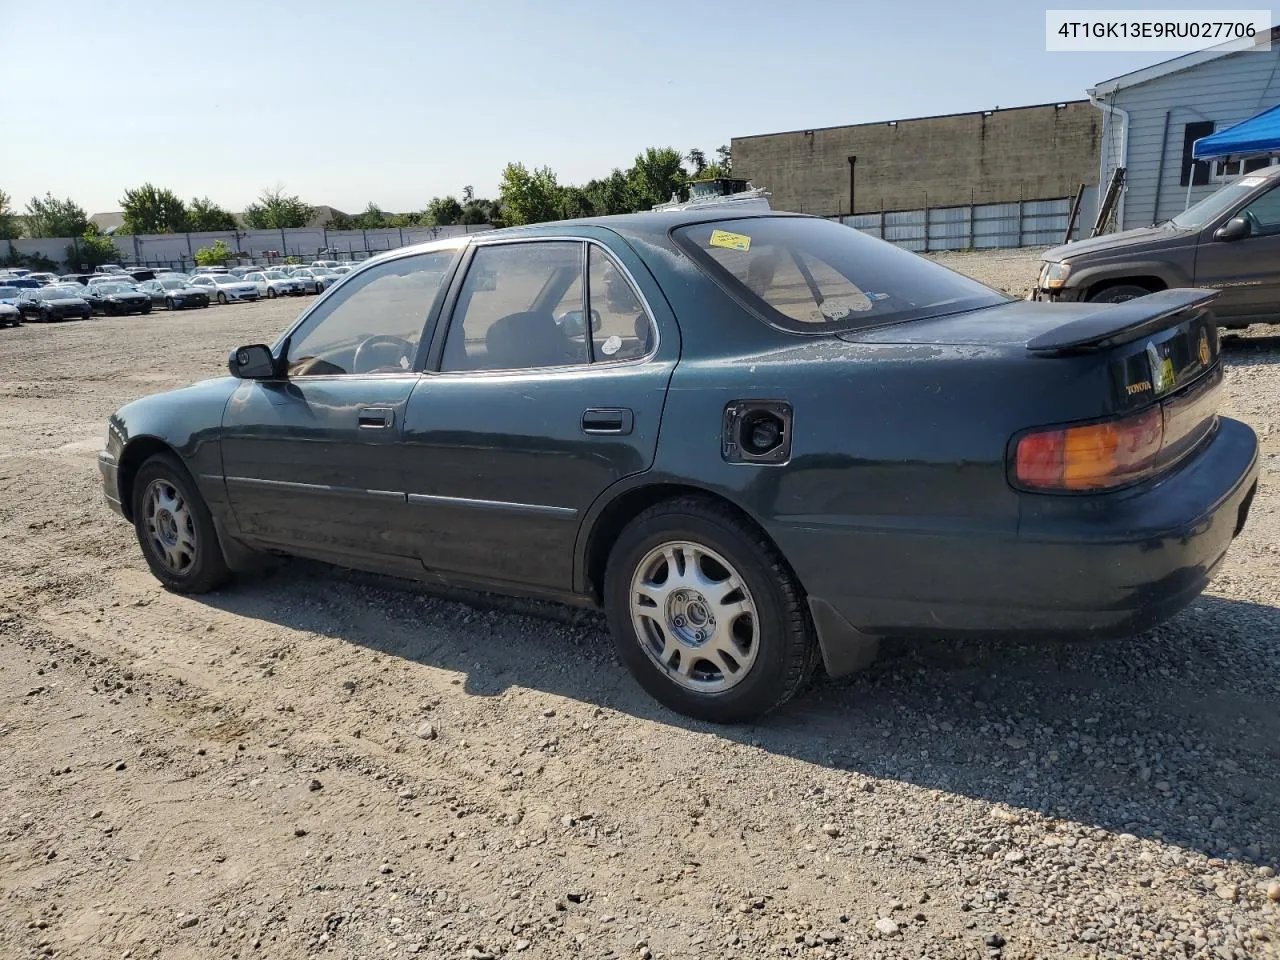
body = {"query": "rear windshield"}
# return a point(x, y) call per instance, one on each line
point(816, 276)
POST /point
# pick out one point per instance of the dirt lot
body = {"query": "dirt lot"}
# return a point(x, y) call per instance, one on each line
point(309, 765)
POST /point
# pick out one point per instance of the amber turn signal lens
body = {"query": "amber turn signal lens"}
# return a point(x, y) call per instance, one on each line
point(1091, 457)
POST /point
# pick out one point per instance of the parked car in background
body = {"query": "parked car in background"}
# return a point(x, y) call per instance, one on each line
point(23, 281)
point(14, 272)
point(141, 274)
point(209, 271)
point(174, 293)
point(10, 315)
point(224, 288)
point(90, 295)
point(316, 279)
point(342, 268)
point(80, 278)
point(44, 279)
point(121, 297)
point(688, 459)
point(1230, 241)
point(327, 264)
point(276, 283)
point(48, 304)
point(109, 268)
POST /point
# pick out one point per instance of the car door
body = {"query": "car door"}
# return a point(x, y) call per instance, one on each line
point(310, 458)
point(207, 285)
point(1246, 270)
point(524, 419)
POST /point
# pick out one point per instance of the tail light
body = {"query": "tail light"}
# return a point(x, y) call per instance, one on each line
point(1116, 453)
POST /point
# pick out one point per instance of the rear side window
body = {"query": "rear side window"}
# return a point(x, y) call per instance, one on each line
point(814, 276)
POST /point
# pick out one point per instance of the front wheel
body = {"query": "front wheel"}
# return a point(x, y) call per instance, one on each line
point(170, 303)
point(1119, 293)
point(706, 614)
point(175, 528)
point(222, 299)
point(271, 293)
point(146, 308)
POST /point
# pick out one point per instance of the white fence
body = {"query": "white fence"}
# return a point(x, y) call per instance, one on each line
point(177, 249)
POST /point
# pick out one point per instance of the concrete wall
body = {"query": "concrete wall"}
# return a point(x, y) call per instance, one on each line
point(1027, 153)
point(1226, 90)
point(179, 248)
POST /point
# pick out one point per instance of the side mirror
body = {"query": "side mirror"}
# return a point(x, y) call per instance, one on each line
point(1237, 228)
point(253, 362)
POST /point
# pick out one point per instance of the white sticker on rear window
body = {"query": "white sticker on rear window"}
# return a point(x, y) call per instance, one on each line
point(1253, 181)
point(837, 308)
point(611, 346)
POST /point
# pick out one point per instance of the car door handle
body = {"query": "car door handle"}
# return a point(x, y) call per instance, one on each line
point(616, 420)
point(375, 418)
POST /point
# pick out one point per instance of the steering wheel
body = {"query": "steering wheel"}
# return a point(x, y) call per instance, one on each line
point(367, 354)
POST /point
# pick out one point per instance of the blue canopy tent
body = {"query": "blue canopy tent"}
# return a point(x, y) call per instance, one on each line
point(1257, 136)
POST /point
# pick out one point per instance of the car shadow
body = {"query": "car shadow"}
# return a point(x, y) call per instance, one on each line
point(1252, 347)
point(1174, 735)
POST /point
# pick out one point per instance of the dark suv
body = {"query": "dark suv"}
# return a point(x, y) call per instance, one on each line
point(1229, 240)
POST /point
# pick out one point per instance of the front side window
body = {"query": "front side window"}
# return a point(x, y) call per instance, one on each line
point(1263, 214)
point(814, 276)
point(373, 323)
point(517, 308)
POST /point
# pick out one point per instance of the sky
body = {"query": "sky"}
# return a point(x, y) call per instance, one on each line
point(394, 102)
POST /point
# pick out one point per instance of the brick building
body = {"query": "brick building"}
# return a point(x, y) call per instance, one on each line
point(988, 156)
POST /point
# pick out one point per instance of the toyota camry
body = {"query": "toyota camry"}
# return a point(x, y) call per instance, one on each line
point(760, 443)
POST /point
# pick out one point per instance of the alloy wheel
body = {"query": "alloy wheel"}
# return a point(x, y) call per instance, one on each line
point(694, 616)
point(170, 525)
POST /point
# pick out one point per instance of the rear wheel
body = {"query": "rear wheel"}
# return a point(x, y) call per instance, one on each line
point(1119, 293)
point(222, 299)
point(706, 614)
point(175, 529)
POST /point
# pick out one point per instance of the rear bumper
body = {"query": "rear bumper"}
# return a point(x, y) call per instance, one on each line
point(1109, 565)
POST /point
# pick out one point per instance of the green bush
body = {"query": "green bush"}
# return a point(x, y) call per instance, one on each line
point(214, 256)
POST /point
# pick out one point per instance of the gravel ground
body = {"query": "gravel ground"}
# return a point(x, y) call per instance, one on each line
point(310, 764)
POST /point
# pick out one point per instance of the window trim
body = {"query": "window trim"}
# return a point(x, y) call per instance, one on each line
point(449, 309)
point(430, 322)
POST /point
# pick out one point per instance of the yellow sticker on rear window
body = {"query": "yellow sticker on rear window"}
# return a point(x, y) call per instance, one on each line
point(730, 241)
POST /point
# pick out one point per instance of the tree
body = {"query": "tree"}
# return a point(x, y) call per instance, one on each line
point(371, 219)
point(481, 211)
point(658, 174)
point(725, 158)
point(10, 225)
point(699, 161)
point(529, 196)
point(613, 194)
point(277, 210)
point(445, 211)
point(575, 202)
point(50, 217)
point(205, 215)
point(340, 221)
point(215, 255)
point(152, 209)
point(92, 249)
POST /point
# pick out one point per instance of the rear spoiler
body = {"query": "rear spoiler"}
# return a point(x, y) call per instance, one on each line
point(1115, 323)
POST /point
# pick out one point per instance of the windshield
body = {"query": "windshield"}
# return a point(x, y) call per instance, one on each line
point(173, 284)
point(815, 276)
point(1216, 204)
point(61, 293)
point(114, 287)
point(275, 275)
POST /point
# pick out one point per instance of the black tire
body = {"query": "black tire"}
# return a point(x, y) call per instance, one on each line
point(222, 299)
point(207, 569)
point(1118, 293)
point(170, 303)
point(787, 650)
point(146, 308)
point(271, 293)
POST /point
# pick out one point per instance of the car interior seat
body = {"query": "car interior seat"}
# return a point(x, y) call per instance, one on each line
point(525, 340)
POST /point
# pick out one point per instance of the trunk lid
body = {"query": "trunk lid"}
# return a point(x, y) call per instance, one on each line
point(1151, 347)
